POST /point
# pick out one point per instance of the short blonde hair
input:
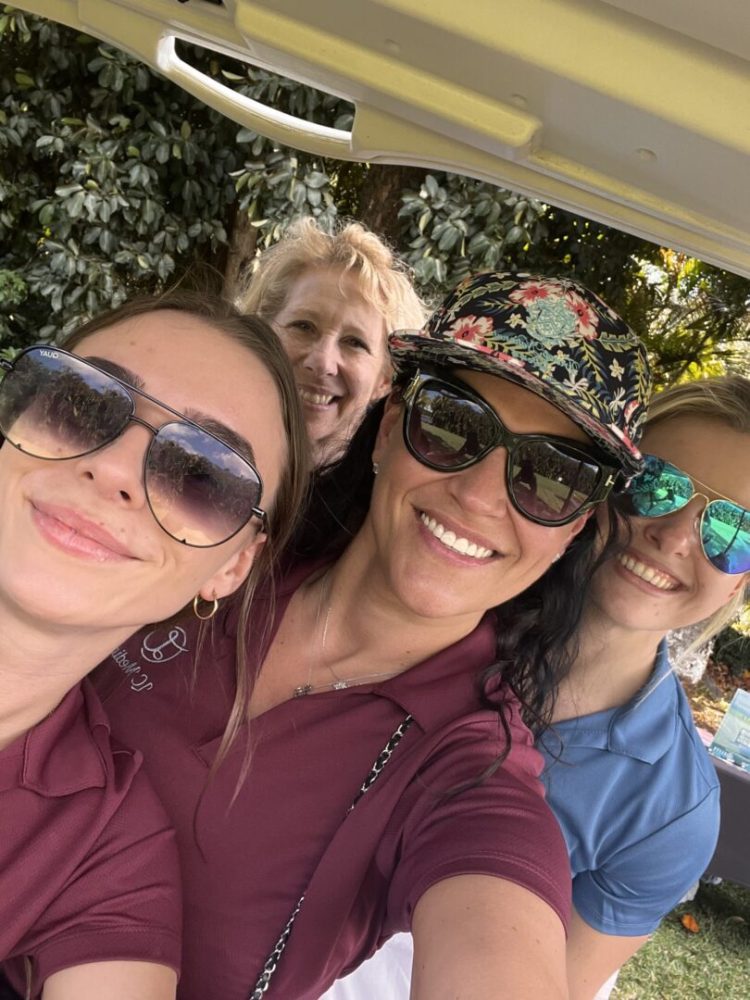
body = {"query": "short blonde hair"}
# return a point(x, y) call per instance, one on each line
point(383, 278)
point(726, 399)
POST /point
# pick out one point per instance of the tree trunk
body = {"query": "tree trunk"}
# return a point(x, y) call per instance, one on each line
point(380, 198)
point(240, 254)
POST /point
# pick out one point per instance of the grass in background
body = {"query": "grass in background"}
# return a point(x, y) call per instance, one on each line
point(713, 964)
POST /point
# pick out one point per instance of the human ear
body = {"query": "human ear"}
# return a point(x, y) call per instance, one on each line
point(235, 570)
point(577, 526)
point(383, 384)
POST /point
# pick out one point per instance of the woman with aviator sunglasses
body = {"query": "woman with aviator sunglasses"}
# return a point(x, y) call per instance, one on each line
point(367, 793)
point(122, 503)
point(646, 815)
point(626, 773)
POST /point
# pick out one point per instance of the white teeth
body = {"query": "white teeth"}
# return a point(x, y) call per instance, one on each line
point(647, 573)
point(315, 397)
point(449, 539)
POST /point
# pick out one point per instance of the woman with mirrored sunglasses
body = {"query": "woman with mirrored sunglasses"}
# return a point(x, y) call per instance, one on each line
point(640, 807)
point(384, 749)
point(131, 487)
point(626, 772)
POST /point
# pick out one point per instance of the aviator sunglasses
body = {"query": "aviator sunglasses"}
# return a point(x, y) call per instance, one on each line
point(662, 489)
point(550, 480)
point(56, 406)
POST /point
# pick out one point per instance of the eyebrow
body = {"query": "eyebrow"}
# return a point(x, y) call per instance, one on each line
point(313, 315)
point(220, 430)
point(206, 422)
point(118, 371)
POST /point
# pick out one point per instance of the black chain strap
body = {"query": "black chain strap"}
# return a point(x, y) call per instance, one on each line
point(271, 963)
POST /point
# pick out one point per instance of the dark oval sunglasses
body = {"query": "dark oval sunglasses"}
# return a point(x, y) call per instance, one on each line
point(56, 406)
point(550, 480)
point(662, 489)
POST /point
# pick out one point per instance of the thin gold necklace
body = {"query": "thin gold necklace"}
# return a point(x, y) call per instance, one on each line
point(338, 683)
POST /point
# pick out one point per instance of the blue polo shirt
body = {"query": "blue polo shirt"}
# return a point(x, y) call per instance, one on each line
point(637, 798)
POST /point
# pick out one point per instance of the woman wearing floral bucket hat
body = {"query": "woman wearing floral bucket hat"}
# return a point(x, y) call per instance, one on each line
point(379, 776)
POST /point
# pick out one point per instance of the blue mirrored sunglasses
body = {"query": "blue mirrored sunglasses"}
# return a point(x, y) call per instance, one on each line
point(662, 489)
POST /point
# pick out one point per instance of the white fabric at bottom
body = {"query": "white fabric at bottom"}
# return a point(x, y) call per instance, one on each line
point(386, 974)
point(607, 987)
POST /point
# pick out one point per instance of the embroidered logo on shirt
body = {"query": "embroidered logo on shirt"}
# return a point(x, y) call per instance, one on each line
point(158, 646)
point(138, 680)
point(158, 650)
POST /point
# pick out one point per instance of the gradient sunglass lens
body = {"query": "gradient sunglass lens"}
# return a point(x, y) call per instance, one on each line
point(200, 490)
point(725, 534)
point(54, 406)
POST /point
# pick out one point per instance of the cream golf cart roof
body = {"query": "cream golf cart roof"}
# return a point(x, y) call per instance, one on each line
point(632, 112)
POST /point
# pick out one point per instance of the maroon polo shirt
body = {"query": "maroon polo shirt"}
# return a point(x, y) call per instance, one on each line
point(248, 858)
point(88, 864)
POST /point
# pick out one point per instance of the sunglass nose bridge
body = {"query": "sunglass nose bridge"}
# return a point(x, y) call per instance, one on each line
point(697, 510)
point(133, 419)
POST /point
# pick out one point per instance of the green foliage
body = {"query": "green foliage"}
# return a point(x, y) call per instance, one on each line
point(713, 964)
point(13, 291)
point(456, 225)
point(114, 181)
point(732, 648)
point(105, 180)
point(694, 317)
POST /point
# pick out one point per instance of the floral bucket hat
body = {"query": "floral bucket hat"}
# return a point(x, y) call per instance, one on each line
point(553, 337)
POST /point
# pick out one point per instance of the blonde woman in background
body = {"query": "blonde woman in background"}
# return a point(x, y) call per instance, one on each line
point(332, 299)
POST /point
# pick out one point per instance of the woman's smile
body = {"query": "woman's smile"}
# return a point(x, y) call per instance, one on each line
point(452, 539)
point(68, 530)
point(648, 573)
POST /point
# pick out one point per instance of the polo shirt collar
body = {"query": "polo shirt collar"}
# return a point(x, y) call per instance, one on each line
point(434, 692)
point(643, 728)
point(64, 753)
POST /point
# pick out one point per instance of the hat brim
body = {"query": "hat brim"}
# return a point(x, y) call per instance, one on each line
point(409, 349)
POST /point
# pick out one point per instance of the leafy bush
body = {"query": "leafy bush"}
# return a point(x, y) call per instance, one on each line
point(732, 648)
point(114, 180)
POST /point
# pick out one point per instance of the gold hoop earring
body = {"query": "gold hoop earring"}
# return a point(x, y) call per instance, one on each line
point(211, 613)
